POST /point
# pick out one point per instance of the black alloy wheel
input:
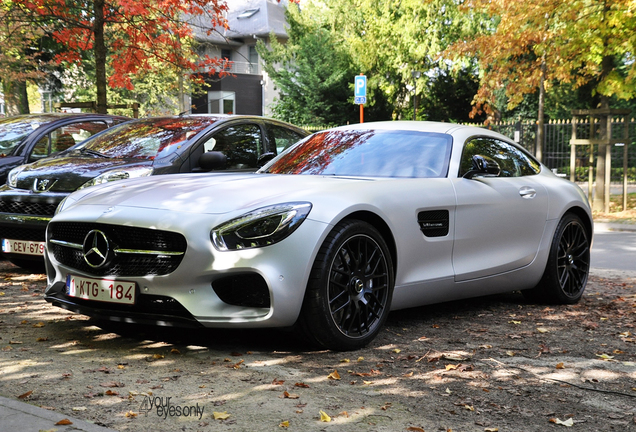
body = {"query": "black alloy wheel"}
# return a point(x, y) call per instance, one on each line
point(568, 266)
point(349, 293)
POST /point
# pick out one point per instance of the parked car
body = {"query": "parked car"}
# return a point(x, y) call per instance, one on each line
point(30, 137)
point(330, 236)
point(144, 147)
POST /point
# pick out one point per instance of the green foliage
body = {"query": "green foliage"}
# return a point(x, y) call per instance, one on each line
point(312, 72)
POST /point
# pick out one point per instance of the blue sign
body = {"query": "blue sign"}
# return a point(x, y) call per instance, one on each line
point(360, 89)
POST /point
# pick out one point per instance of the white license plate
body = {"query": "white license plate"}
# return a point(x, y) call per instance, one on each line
point(24, 247)
point(105, 290)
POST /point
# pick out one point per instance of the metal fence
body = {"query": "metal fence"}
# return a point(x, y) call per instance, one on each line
point(556, 147)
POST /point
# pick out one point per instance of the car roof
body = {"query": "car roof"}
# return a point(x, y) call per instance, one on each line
point(421, 126)
point(50, 117)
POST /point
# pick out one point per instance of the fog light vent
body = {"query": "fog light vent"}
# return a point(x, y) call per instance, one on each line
point(246, 290)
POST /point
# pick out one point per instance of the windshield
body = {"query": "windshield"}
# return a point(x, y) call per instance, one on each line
point(145, 139)
point(367, 153)
point(14, 130)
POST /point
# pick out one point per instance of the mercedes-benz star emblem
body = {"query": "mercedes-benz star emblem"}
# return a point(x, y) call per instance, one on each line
point(96, 249)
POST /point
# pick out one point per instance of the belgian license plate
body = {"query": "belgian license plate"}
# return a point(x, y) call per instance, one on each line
point(24, 247)
point(105, 290)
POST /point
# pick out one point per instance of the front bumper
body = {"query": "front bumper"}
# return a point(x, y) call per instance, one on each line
point(205, 289)
point(24, 215)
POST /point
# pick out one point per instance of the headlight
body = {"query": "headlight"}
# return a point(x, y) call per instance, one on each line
point(12, 178)
point(261, 227)
point(118, 174)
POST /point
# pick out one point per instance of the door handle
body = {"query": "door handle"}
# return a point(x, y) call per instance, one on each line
point(527, 192)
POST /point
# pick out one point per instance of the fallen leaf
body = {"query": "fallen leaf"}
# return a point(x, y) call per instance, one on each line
point(278, 382)
point(324, 417)
point(175, 351)
point(221, 415)
point(25, 395)
point(469, 407)
point(42, 339)
point(334, 375)
point(415, 429)
point(112, 384)
point(64, 422)
point(131, 414)
point(303, 385)
point(284, 424)
point(408, 375)
point(605, 356)
point(79, 408)
point(15, 342)
point(346, 360)
point(514, 322)
point(111, 393)
point(560, 366)
point(421, 338)
point(360, 359)
point(158, 356)
point(567, 423)
point(452, 367)
point(39, 325)
point(510, 353)
point(397, 350)
point(287, 395)
point(491, 430)
point(543, 330)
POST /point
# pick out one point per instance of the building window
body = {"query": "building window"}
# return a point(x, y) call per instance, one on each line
point(253, 58)
point(220, 102)
point(226, 54)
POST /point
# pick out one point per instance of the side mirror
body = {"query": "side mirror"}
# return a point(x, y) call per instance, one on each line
point(483, 166)
point(213, 160)
point(264, 158)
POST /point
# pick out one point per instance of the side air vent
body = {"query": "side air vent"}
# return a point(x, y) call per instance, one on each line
point(433, 223)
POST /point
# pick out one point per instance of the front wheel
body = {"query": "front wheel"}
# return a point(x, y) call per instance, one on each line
point(350, 288)
point(568, 265)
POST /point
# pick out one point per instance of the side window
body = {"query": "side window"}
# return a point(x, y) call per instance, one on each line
point(65, 137)
point(282, 137)
point(513, 162)
point(242, 144)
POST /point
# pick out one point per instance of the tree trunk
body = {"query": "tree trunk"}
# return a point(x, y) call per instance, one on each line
point(100, 57)
point(15, 97)
point(540, 117)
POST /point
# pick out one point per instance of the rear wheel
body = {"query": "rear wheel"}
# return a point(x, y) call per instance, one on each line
point(568, 266)
point(349, 293)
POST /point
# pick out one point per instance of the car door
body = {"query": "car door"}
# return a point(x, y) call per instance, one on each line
point(499, 221)
point(241, 143)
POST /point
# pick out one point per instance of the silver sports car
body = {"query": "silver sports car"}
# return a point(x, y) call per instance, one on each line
point(343, 227)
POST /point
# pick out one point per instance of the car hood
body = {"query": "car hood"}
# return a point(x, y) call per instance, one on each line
point(212, 193)
point(66, 174)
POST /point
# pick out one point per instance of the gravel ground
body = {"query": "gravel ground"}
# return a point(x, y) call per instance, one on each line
point(490, 364)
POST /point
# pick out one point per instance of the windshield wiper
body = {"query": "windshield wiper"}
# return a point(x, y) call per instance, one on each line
point(93, 152)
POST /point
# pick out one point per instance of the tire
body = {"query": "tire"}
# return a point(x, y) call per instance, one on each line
point(350, 288)
point(568, 265)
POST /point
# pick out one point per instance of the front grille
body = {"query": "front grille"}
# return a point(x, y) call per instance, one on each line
point(119, 237)
point(30, 208)
point(19, 233)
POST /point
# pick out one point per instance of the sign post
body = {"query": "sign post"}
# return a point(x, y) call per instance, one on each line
point(360, 93)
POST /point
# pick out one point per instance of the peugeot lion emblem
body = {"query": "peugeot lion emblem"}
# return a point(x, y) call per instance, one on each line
point(43, 185)
point(96, 249)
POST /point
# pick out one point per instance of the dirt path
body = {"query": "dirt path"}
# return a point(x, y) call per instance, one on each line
point(488, 364)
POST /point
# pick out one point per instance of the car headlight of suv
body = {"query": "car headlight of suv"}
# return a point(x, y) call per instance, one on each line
point(118, 174)
point(12, 178)
point(261, 227)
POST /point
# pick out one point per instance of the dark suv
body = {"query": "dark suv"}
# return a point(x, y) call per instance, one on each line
point(165, 145)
